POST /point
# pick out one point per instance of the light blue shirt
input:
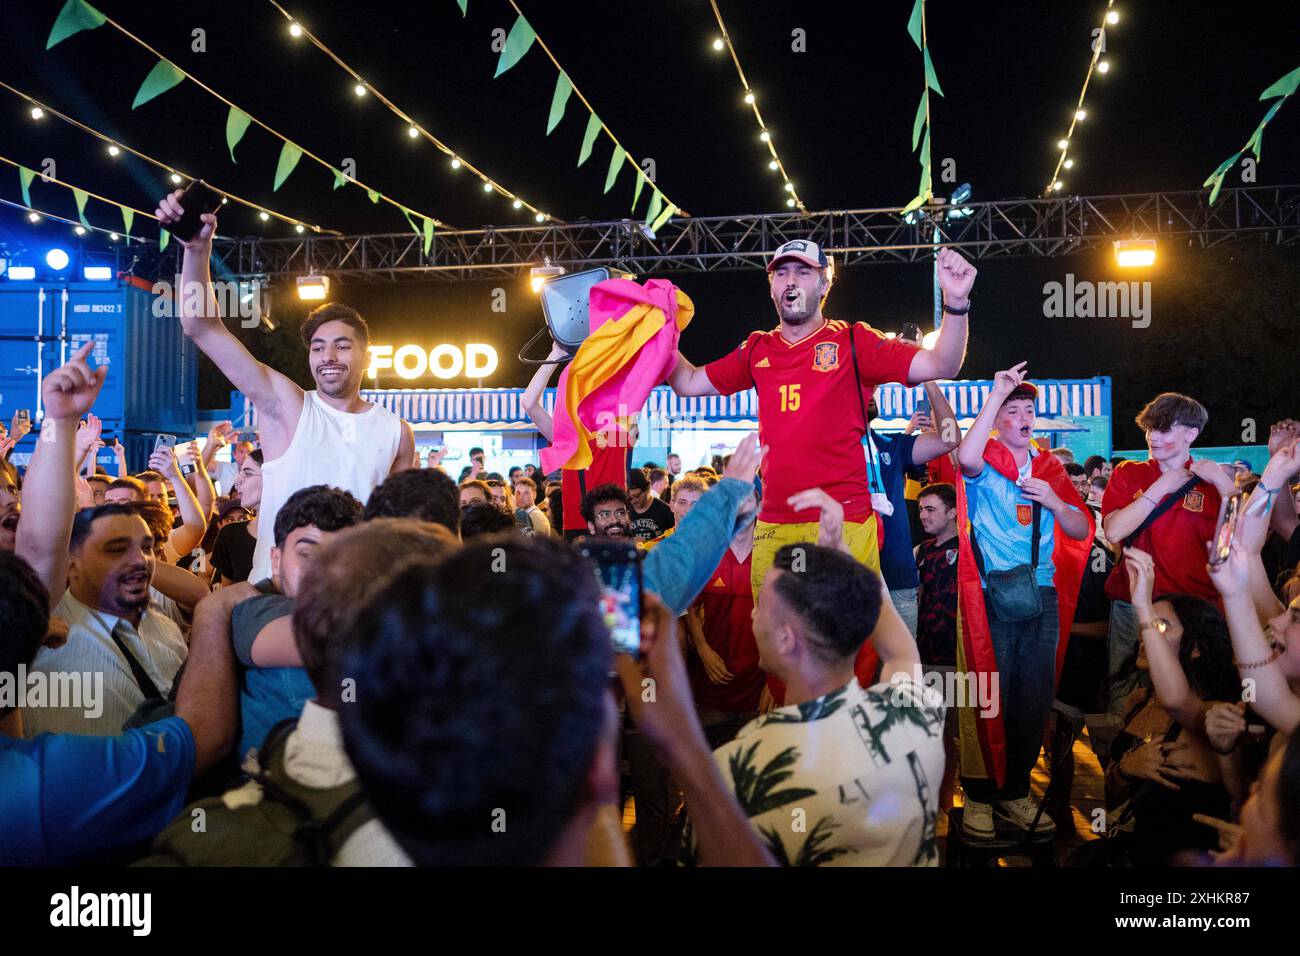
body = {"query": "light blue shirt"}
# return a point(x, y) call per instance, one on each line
point(1005, 541)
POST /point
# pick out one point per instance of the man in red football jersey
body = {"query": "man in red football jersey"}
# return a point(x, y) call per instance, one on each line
point(814, 377)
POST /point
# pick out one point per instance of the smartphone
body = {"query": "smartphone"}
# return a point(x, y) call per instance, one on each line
point(24, 415)
point(1226, 532)
point(924, 406)
point(618, 570)
point(198, 198)
point(246, 434)
point(164, 441)
point(911, 332)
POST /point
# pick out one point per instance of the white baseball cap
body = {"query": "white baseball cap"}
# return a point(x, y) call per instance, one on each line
point(805, 250)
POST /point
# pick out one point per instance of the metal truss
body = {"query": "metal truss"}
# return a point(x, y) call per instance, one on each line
point(1012, 227)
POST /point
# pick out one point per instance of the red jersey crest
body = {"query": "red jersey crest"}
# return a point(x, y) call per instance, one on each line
point(826, 356)
point(1194, 501)
point(1025, 514)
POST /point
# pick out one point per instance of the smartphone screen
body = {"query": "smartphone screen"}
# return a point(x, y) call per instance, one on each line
point(198, 198)
point(618, 569)
point(164, 441)
point(1227, 529)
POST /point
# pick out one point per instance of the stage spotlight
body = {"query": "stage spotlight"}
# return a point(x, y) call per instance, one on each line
point(57, 259)
point(97, 273)
point(313, 288)
point(1131, 253)
point(19, 273)
point(538, 275)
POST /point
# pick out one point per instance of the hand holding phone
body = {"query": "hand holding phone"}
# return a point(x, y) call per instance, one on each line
point(188, 214)
point(618, 570)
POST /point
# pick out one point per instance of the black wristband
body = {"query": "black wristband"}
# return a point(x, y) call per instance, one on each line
point(951, 311)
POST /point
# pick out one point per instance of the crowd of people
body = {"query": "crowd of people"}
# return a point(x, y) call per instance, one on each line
point(328, 650)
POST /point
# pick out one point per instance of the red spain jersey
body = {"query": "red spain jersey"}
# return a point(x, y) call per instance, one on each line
point(809, 413)
point(1176, 540)
point(728, 605)
point(608, 466)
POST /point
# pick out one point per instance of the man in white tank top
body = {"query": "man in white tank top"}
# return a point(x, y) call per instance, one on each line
point(328, 436)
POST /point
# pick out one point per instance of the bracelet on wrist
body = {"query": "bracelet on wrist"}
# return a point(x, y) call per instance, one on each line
point(1251, 665)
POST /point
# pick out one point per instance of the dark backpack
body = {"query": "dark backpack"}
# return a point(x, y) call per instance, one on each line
point(290, 825)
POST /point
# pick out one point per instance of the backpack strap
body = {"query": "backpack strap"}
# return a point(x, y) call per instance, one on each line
point(338, 812)
point(874, 482)
point(1166, 503)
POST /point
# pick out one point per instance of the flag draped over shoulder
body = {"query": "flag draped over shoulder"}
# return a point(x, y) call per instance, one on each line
point(632, 348)
point(982, 740)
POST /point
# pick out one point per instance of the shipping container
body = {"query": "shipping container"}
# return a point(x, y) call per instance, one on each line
point(152, 381)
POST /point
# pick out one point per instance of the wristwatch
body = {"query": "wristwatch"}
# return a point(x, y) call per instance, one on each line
point(1158, 625)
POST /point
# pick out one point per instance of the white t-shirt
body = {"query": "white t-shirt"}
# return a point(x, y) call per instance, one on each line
point(848, 779)
point(354, 452)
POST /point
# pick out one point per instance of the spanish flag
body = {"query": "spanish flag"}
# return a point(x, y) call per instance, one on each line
point(632, 348)
point(982, 740)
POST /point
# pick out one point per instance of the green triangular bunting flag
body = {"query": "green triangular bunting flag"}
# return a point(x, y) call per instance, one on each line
point(930, 78)
point(517, 43)
point(339, 178)
point(615, 164)
point(128, 219)
point(25, 177)
point(663, 217)
point(559, 99)
point(80, 196)
point(636, 195)
point(76, 15)
point(161, 78)
point(589, 138)
point(925, 148)
point(289, 156)
point(411, 222)
point(919, 121)
point(236, 126)
point(373, 194)
point(914, 204)
point(656, 203)
point(1218, 184)
point(914, 24)
point(1221, 169)
point(428, 235)
point(1283, 87)
point(164, 237)
point(464, 7)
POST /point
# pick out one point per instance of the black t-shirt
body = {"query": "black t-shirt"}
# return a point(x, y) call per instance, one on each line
point(652, 522)
point(1093, 604)
point(232, 552)
point(936, 619)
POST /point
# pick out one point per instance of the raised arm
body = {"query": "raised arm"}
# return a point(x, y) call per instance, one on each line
point(49, 495)
point(970, 453)
point(278, 400)
point(956, 277)
point(207, 698)
point(1283, 463)
point(946, 435)
point(185, 538)
point(200, 480)
point(1257, 661)
point(532, 398)
point(1167, 677)
point(685, 379)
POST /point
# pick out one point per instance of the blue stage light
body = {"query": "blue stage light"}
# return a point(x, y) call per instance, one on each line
point(19, 273)
point(57, 259)
point(98, 273)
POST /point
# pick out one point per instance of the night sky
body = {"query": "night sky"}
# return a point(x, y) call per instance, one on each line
point(1182, 95)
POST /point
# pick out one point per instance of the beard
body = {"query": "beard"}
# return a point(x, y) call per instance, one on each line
point(616, 529)
point(334, 387)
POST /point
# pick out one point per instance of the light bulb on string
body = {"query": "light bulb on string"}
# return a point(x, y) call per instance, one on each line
point(37, 112)
point(295, 30)
point(718, 44)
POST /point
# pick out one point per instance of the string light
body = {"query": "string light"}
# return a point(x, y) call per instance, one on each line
point(37, 112)
point(764, 135)
point(1095, 64)
point(278, 135)
point(116, 148)
point(114, 236)
point(79, 230)
point(414, 129)
point(176, 179)
point(517, 204)
point(455, 163)
point(298, 227)
point(33, 217)
point(263, 216)
point(295, 30)
point(540, 217)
